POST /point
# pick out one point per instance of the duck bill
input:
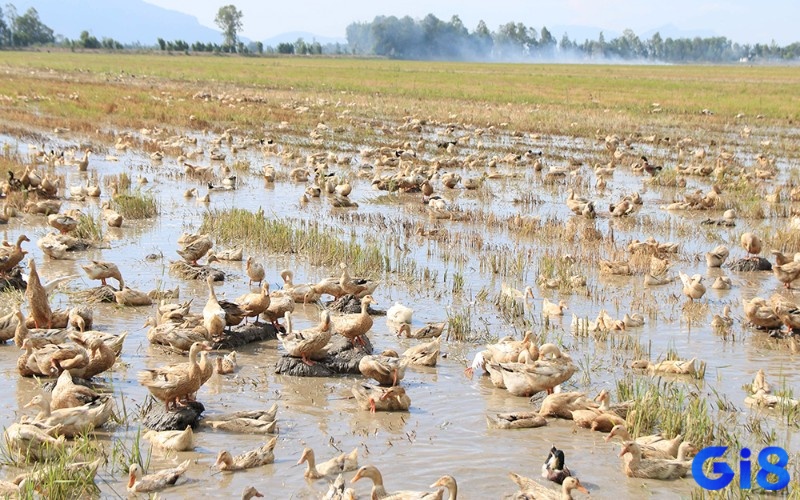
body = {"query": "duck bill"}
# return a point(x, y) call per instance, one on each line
point(131, 479)
point(607, 438)
point(356, 477)
point(583, 489)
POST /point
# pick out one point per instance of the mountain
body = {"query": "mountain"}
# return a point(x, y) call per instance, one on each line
point(292, 36)
point(127, 21)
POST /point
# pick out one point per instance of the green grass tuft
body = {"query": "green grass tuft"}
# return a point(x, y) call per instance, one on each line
point(136, 205)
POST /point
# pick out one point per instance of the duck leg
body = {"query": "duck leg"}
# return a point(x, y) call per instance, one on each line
point(371, 405)
point(307, 361)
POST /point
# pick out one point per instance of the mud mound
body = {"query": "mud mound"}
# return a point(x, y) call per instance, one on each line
point(349, 304)
point(190, 272)
point(747, 265)
point(342, 358)
point(244, 334)
point(158, 419)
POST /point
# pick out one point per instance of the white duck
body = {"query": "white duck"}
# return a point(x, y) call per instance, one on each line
point(399, 314)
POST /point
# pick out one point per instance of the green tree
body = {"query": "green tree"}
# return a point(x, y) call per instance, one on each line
point(656, 46)
point(11, 16)
point(229, 20)
point(110, 43)
point(360, 39)
point(566, 45)
point(3, 29)
point(513, 40)
point(162, 44)
point(88, 41)
point(285, 48)
point(547, 43)
point(482, 40)
point(28, 29)
point(300, 46)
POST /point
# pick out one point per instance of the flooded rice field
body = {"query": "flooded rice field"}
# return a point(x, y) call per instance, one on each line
point(507, 223)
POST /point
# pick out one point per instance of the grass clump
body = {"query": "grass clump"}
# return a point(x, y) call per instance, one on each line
point(667, 407)
point(459, 325)
point(320, 244)
point(123, 455)
point(136, 205)
point(68, 472)
point(89, 228)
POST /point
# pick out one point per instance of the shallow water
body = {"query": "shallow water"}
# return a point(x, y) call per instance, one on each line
point(445, 432)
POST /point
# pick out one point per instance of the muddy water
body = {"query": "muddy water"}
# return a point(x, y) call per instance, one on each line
point(445, 432)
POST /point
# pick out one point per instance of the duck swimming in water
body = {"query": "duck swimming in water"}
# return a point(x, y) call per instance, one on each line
point(554, 468)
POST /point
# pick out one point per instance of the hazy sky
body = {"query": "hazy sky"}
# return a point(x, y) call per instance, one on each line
point(746, 21)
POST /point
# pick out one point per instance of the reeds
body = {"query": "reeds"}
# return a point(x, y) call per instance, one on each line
point(89, 228)
point(58, 476)
point(667, 407)
point(136, 205)
point(124, 454)
point(319, 244)
point(459, 325)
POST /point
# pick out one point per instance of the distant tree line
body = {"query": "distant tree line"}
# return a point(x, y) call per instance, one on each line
point(27, 29)
point(429, 38)
point(22, 30)
point(434, 39)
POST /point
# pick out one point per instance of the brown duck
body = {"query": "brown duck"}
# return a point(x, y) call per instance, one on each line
point(37, 298)
point(10, 258)
point(174, 382)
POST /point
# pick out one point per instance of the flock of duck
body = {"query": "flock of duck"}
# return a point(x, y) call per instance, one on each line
point(61, 344)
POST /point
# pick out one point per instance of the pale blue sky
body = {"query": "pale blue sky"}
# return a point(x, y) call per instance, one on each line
point(745, 21)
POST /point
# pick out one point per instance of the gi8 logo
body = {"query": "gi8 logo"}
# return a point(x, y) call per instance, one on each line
point(745, 468)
